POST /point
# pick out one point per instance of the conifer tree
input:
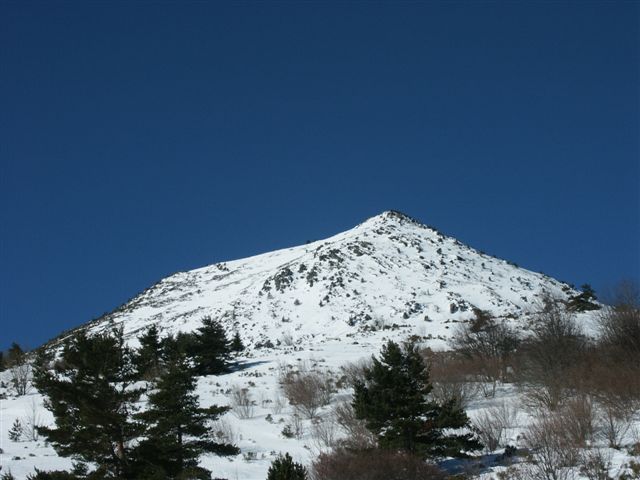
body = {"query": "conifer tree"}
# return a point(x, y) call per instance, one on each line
point(90, 393)
point(15, 434)
point(236, 343)
point(148, 358)
point(393, 401)
point(284, 468)
point(177, 432)
point(210, 349)
point(15, 355)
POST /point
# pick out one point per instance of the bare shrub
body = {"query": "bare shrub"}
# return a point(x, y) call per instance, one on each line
point(595, 464)
point(358, 437)
point(21, 375)
point(324, 432)
point(30, 422)
point(224, 432)
point(614, 424)
point(307, 391)
point(620, 323)
point(451, 378)
point(489, 345)
point(553, 453)
point(353, 372)
point(278, 404)
point(548, 358)
point(578, 417)
point(241, 402)
point(297, 426)
point(345, 464)
point(493, 423)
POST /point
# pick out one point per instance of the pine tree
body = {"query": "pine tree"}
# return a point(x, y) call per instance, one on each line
point(236, 343)
point(393, 400)
point(284, 468)
point(210, 349)
point(15, 355)
point(15, 434)
point(177, 432)
point(90, 393)
point(148, 358)
point(584, 301)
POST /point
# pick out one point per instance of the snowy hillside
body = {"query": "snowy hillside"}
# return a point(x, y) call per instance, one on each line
point(388, 270)
point(315, 307)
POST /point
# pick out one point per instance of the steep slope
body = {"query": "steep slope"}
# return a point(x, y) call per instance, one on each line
point(389, 271)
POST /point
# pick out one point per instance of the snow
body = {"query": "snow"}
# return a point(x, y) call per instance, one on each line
point(325, 304)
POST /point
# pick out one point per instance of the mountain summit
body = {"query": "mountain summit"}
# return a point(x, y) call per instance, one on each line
point(388, 273)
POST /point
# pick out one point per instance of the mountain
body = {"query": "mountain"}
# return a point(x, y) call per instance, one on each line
point(388, 273)
point(316, 308)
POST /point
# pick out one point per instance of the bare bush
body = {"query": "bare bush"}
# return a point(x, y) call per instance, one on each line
point(30, 422)
point(345, 464)
point(241, 402)
point(297, 426)
point(620, 323)
point(489, 345)
point(452, 378)
point(358, 437)
point(595, 464)
point(577, 418)
point(224, 432)
point(307, 391)
point(547, 360)
point(324, 432)
point(353, 372)
point(278, 404)
point(553, 453)
point(21, 374)
point(493, 423)
point(614, 424)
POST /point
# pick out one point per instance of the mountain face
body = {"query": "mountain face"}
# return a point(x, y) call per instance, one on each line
point(388, 274)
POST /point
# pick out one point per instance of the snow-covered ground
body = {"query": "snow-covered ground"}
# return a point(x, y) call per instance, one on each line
point(260, 436)
point(323, 304)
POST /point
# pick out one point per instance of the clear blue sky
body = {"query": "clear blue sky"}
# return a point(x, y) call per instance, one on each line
point(142, 138)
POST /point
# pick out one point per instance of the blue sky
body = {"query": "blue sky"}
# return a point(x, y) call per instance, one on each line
point(142, 138)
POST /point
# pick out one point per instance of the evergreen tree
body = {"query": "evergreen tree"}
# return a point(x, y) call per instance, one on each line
point(584, 301)
point(90, 393)
point(210, 349)
point(177, 432)
point(15, 355)
point(148, 358)
point(15, 434)
point(284, 468)
point(393, 400)
point(236, 343)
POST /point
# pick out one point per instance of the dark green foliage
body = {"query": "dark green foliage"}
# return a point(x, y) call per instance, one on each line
point(177, 432)
point(148, 358)
point(15, 355)
point(284, 468)
point(584, 301)
point(210, 349)
point(15, 434)
point(90, 393)
point(236, 343)
point(181, 344)
point(393, 401)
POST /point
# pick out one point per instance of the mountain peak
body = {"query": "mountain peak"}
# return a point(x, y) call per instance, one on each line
point(391, 216)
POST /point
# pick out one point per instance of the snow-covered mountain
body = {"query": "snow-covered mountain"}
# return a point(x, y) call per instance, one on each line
point(318, 306)
point(389, 272)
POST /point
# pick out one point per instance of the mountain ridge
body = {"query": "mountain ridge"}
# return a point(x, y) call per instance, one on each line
point(389, 269)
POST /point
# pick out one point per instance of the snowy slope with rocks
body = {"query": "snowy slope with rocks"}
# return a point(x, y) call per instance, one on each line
point(320, 306)
point(388, 270)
